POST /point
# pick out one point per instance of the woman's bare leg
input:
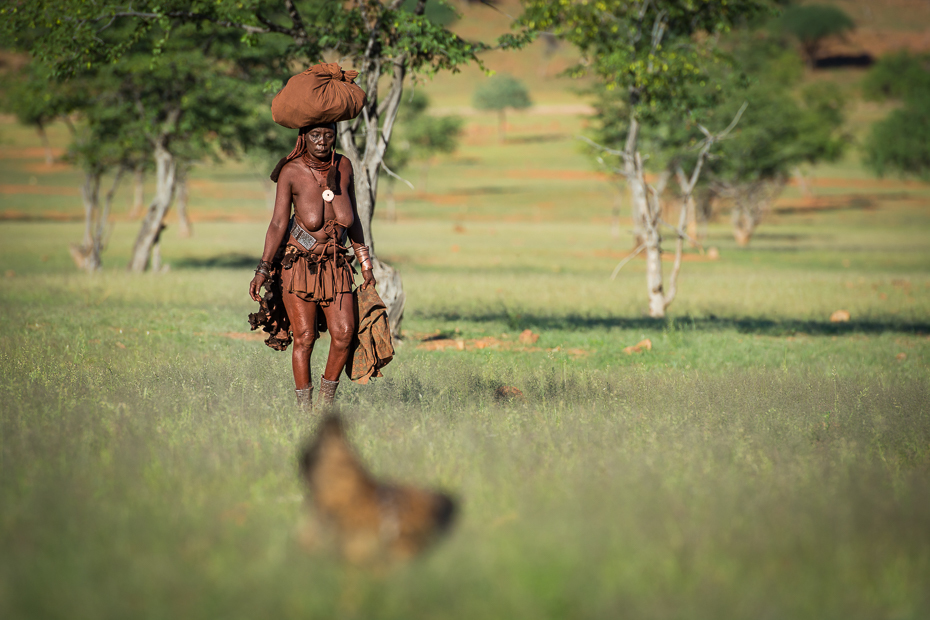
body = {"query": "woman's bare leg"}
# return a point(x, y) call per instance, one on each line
point(341, 322)
point(302, 315)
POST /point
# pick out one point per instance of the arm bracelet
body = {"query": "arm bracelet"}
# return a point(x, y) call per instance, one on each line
point(363, 256)
point(264, 268)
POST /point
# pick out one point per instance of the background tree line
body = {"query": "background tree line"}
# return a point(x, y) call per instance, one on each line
point(705, 100)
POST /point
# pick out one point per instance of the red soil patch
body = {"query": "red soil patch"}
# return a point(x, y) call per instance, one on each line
point(561, 175)
point(879, 42)
point(490, 342)
point(44, 168)
point(33, 152)
point(46, 190)
point(260, 336)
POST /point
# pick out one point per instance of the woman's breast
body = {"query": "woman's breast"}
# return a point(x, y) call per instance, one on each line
point(309, 212)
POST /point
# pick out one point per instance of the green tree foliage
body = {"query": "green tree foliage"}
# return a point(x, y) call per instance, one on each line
point(438, 11)
point(380, 38)
point(101, 145)
point(810, 24)
point(36, 101)
point(172, 100)
point(498, 93)
point(420, 134)
point(419, 137)
point(657, 55)
point(900, 142)
point(652, 51)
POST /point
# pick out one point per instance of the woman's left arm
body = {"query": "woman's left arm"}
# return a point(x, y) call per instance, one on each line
point(356, 234)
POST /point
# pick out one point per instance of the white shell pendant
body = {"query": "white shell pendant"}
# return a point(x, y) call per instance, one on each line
point(328, 195)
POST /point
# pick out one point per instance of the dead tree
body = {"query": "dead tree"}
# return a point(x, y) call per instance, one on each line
point(650, 219)
point(165, 178)
point(96, 218)
point(751, 203)
point(185, 228)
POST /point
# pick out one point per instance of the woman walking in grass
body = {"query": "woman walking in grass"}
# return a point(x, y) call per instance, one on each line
point(310, 272)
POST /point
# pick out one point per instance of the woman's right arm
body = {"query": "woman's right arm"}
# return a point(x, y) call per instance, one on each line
point(276, 231)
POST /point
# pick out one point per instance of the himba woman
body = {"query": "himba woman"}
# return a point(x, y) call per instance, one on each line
point(311, 271)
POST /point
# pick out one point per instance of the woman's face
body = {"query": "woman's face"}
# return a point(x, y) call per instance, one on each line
point(320, 142)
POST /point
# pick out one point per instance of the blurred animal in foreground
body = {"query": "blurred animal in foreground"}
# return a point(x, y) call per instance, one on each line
point(370, 521)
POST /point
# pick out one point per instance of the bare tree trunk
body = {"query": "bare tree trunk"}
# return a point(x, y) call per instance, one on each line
point(101, 233)
point(802, 182)
point(691, 219)
point(375, 125)
point(152, 224)
point(637, 184)
point(185, 228)
point(651, 217)
point(138, 191)
point(705, 211)
point(90, 196)
point(652, 234)
point(69, 124)
point(43, 137)
point(87, 255)
point(751, 203)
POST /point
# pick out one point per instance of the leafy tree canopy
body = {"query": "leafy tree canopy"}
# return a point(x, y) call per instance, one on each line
point(67, 34)
point(421, 135)
point(901, 142)
point(438, 12)
point(779, 128)
point(810, 24)
point(903, 76)
point(31, 95)
point(500, 92)
point(650, 50)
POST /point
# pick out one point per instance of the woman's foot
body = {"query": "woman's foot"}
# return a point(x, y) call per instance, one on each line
point(305, 399)
point(327, 392)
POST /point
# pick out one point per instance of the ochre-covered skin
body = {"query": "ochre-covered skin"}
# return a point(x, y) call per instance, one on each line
point(324, 281)
point(371, 521)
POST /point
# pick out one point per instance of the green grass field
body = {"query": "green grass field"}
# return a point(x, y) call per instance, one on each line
point(759, 461)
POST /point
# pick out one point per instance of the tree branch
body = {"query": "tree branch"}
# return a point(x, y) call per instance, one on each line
point(395, 175)
point(301, 37)
point(194, 16)
point(626, 259)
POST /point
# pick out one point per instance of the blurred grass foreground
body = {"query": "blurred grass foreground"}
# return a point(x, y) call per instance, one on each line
point(756, 460)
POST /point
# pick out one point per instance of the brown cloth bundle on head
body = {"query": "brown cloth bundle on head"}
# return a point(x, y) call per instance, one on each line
point(322, 94)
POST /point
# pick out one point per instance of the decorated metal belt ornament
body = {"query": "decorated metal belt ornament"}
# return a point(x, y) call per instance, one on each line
point(300, 235)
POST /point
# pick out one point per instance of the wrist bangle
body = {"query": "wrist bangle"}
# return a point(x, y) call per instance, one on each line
point(363, 254)
point(264, 268)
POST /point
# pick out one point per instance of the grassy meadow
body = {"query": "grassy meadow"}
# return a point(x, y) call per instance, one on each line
point(760, 461)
